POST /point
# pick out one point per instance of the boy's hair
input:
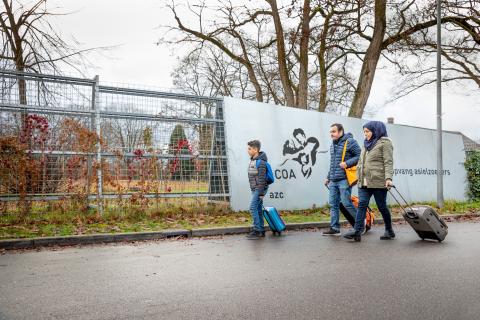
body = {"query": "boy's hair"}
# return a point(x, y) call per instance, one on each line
point(339, 126)
point(254, 144)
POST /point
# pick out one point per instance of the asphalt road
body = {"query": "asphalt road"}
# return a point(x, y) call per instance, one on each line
point(300, 275)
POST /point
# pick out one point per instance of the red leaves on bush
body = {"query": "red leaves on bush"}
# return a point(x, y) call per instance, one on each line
point(35, 128)
point(181, 145)
point(138, 153)
point(174, 165)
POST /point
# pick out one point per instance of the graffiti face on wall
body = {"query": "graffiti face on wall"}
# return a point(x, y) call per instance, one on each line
point(301, 150)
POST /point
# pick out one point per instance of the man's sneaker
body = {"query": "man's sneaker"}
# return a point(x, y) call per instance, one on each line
point(254, 235)
point(263, 234)
point(331, 232)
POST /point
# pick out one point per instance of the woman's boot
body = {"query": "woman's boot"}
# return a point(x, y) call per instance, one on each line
point(388, 235)
point(352, 234)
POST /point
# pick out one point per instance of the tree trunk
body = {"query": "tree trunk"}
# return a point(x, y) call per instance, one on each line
point(256, 84)
point(322, 106)
point(16, 46)
point(22, 98)
point(370, 61)
point(282, 60)
point(302, 96)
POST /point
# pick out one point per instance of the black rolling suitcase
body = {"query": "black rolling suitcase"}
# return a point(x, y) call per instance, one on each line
point(424, 220)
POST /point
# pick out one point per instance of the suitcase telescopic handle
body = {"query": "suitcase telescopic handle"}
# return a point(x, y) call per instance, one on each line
point(411, 214)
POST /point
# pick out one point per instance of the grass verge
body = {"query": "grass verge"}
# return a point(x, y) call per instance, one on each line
point(57, 222)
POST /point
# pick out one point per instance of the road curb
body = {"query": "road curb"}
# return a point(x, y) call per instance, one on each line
point(11, 244)
point(308, 225)
point(211, 232)
point(91, 239)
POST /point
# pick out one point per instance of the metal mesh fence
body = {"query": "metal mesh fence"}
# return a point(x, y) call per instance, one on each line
point(64, 138)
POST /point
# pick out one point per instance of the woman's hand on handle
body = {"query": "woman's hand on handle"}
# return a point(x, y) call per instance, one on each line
point(388, 183)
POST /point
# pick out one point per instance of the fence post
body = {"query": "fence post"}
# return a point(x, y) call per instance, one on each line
point(89, 155)
point(96, 107)
point(218, 181)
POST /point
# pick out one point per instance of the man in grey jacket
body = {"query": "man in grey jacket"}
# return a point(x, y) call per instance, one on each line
point(257, 170)
point(340, 190)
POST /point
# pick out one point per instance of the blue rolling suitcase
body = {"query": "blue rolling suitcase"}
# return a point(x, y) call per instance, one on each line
point(274, 220)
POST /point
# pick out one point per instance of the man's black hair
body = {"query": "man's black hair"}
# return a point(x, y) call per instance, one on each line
point(339, 127)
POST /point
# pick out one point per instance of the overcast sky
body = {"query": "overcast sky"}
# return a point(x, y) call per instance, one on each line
point(132, 26)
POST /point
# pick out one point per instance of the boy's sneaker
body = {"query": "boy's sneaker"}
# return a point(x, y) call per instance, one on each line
point(331, 232)
point(254, 235)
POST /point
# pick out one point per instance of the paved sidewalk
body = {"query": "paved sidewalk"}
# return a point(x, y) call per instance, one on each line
point(301, 275)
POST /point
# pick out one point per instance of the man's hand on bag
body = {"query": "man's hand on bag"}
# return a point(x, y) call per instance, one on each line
point(343, 165)
point(326, 182)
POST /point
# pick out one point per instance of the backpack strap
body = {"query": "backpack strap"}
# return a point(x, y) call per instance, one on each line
point(257, 163)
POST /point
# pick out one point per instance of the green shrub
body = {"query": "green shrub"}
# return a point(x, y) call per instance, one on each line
point(472, 165)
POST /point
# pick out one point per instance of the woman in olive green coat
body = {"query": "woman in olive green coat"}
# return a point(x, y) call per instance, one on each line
point(375, 173)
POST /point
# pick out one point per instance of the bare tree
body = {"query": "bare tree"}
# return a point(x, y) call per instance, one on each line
point(323, 54)
point(232, 34)
point(411, 20)
point(29, 42)
point(460, 51)
point(278, 60)
point(227, 31)
point(208, 72)
point(332, 45)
